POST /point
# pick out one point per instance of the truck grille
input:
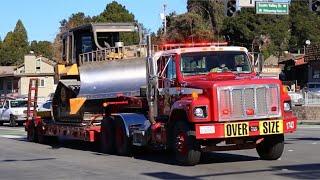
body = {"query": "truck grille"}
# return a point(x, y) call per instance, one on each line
point(248, 102)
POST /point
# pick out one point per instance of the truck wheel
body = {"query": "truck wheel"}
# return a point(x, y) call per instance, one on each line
point(271, 148)
point(107, 135)
point(12, 121)
point(186, 148)
point(122, 141)
point(31, 133)
point(42, 139)
point(1, 123)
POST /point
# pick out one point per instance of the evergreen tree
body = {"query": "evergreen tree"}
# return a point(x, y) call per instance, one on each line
point(42, 48)
point(305, 25)
point(14, 46)
point(115, 12)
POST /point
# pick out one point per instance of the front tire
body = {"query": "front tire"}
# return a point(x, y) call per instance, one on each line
point(271, 148)
point(186, 148)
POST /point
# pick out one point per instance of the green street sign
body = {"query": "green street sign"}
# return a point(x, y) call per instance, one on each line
point(272, 8)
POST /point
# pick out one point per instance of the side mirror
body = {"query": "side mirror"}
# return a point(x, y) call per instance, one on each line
point(259, 63)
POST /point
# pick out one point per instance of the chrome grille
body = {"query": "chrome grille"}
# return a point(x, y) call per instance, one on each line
point(238, 102)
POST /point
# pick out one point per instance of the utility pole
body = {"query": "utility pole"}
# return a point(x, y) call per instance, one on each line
point(164, 19)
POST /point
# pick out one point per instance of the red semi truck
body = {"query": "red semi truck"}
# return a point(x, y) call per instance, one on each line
point(190, 99)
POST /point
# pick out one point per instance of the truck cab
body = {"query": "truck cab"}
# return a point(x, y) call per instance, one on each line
point(13, 111)
point(212, 96)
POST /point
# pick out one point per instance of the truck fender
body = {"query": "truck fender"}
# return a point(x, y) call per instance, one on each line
point(180, 110)
point(133, 121)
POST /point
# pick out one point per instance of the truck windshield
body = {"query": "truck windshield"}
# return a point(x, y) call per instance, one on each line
point(194, 63)
point(18, 103)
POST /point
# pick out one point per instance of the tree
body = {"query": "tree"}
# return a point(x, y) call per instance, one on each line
point(42, 48)
point(15, 45)
point(211, 10)
point(305, 25)
point(189, 27)
point(247, 26)
point(115, 12)
point(75, 20)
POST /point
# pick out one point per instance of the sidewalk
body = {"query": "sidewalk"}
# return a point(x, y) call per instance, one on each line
point(309, 122)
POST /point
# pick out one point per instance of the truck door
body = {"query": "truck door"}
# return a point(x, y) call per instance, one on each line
point(5, 111)
point(167, 80)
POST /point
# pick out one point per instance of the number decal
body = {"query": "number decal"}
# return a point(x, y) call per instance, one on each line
point(290, 125)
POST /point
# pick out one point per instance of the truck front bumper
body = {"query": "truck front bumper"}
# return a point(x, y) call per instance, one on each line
point(245, 128)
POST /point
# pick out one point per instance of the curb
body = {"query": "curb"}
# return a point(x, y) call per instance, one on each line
point(309, 122)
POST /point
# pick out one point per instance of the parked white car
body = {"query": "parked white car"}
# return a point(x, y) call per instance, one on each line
point(13, 111)
point(297, 99)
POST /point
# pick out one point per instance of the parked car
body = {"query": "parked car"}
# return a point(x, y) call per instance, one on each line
point(297, 98)
point(313, 87)
point(13, 111)
point(44, 109)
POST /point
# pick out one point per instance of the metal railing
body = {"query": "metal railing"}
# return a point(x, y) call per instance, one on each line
point(133, 51)
point(311, 98)
point(124, 52)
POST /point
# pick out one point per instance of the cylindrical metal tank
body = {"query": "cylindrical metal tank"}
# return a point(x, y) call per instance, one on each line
point(108, 79)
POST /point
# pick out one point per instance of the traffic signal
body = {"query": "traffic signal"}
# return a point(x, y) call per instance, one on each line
point(231, 7)
point(315, 5)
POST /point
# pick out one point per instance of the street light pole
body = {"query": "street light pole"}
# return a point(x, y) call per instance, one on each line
point(164, 19)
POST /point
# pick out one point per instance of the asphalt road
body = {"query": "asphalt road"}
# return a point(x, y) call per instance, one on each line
point(76, 160)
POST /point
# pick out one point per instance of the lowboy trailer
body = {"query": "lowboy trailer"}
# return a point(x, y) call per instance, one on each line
point(189, 98)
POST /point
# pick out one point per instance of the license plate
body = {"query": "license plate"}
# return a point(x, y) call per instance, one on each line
point(236, 129)
point(271, 127)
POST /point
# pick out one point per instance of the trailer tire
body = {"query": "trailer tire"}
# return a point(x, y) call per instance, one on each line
point(31, 133)
point(186, 149)
point(122, 141)
point(107, 135)
point(271, 148)
point(42, 139)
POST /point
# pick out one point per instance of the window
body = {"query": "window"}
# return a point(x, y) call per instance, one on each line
point(86, 44)
point(221, 61)
point(9, 86)
point(38, 64)
point(1, 85)
point(42, 82)
point(171, 72)
point(19, 103)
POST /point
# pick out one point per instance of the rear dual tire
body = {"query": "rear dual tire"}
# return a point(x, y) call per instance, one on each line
point(114, 138)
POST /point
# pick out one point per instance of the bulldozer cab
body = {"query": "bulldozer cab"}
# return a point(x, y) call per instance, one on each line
point(93, 37)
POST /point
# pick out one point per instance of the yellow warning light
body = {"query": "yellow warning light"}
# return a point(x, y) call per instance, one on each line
point(105, 104)
point(285, 89)
point(195, 95)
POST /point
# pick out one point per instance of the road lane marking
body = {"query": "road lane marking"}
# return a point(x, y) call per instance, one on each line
point(12, 136)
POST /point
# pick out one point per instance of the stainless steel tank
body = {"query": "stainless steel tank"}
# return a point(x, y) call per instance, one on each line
point(109, 79)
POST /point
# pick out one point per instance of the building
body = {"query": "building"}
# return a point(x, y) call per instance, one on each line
point(8, 82)
point(295, 70)
point(36, 67)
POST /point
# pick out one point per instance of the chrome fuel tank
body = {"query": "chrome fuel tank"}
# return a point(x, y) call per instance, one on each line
point(108, 79)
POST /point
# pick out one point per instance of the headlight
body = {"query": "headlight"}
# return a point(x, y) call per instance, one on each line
point(287, 106)
point(200, 112)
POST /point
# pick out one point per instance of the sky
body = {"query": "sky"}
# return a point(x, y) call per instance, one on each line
point(41, 17)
